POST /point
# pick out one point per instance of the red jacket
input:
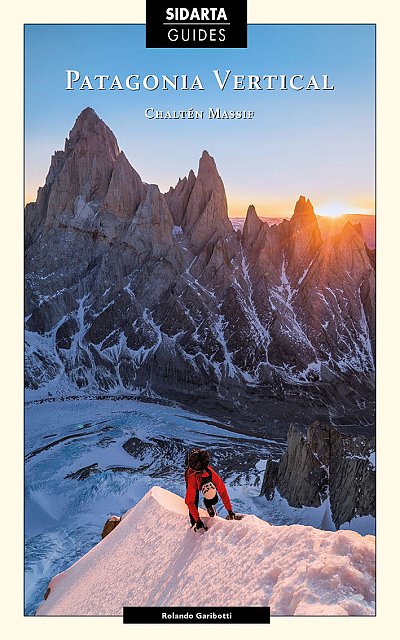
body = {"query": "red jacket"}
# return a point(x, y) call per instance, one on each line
point(193, 484)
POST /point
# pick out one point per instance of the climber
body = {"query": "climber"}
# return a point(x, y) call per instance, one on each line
point(200, 476)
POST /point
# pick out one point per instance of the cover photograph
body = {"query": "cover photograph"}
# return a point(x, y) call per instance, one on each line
point(199, 318)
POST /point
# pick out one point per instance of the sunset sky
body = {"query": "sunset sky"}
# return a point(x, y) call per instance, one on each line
point(316, 143)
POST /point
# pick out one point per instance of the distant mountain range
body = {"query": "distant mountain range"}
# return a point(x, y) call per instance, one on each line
point(328, 226)
point(131, 291)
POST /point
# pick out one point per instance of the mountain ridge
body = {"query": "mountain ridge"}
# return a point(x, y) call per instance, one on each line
point(328, 226)
point(306, 571)
point(132, 290)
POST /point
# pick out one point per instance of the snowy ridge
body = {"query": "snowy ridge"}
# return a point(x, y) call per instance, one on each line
point(153, 558)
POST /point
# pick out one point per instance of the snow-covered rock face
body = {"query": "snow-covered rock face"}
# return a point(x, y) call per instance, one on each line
point(295, 570)
point(325, 467)
point(119, 301)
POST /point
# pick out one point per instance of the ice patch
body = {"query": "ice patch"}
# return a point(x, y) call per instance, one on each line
point(177, 231)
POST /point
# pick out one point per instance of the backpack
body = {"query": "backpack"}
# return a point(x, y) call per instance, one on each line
point(198, 459)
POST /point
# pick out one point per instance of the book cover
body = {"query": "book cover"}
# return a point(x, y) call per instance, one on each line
point(200, 316)
point(200, 308)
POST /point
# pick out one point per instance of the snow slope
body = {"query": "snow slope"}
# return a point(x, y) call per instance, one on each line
point(152, 558)
point(78, 472)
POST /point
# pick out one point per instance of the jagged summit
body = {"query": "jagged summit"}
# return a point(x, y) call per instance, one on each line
point(93, 131)
point(207, 168)
point(350, 229)
point(303, 209)
point(91, 169)
point(86, 114)
point(205, 216)
point(305, 236)
point(198, 204)
point(252, 228)
point(251, 212)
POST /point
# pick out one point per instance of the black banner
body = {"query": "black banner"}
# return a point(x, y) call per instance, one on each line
point(196, 615)
point(179, 24)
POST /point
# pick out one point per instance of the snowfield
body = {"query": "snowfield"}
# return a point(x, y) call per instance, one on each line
point(87, 459)
point(153, 558)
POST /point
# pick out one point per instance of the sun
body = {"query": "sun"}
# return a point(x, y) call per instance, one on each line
point(336, 214)
point(338, 209)
point(333, 210)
